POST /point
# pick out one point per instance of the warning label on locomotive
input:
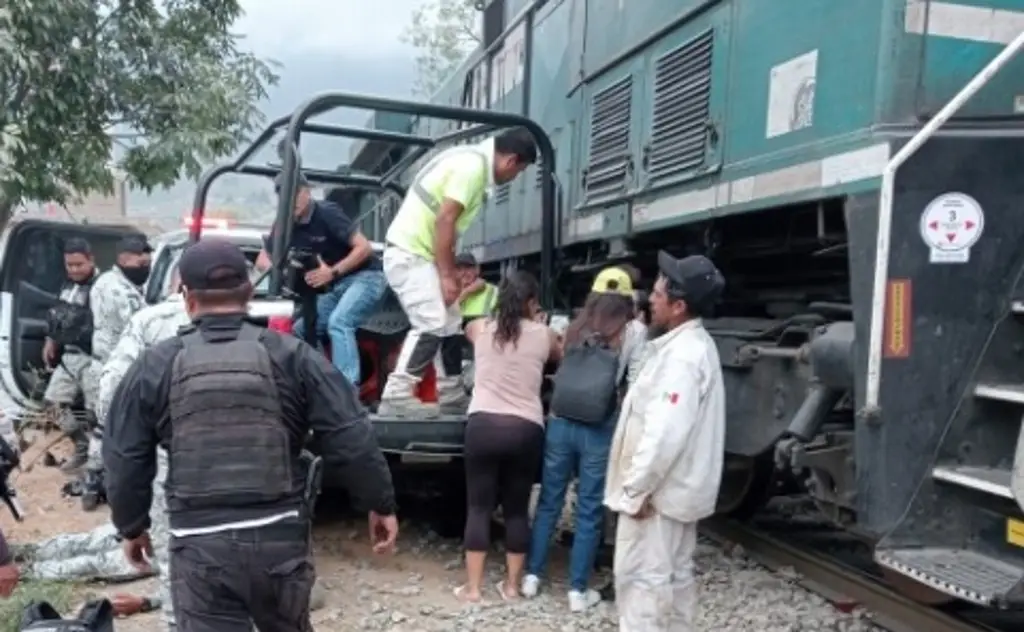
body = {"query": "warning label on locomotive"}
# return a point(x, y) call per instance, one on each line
point(897, 319)
point(950, 225)
point(1015, 532)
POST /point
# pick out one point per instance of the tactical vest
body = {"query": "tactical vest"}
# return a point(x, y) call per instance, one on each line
point(229, 444)
point(413, 227)
point(70, 323)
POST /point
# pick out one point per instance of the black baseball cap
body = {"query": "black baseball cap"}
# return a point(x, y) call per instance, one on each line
point(213, 264)
point(134, 244)
point(299, 183)
point(465, 260)
point(77, 246)
point(701, 282)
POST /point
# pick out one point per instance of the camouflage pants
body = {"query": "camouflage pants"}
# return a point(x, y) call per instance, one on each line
point(75, 373)
point(94, 554)
point(97, 554)
point(160, 532)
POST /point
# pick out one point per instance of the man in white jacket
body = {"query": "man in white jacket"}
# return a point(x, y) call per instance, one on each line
point(665, 465)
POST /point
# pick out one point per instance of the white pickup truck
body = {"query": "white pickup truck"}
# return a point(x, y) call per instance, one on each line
point(31, 256)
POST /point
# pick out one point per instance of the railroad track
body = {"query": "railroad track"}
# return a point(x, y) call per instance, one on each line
point(836, 581)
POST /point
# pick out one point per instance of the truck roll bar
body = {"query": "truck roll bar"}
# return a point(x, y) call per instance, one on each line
point(364, 182)
point(241, 163)
point(329, 101)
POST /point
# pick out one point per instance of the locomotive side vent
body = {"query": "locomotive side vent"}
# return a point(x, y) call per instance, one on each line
point(682, 101)
point(608, 160)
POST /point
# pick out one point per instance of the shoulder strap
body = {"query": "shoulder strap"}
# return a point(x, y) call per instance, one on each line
point(250, 332)
point(421, 192)
point(190, 335)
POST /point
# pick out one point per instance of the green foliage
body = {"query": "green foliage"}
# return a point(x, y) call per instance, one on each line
point(443, 32)
point(167, 76)
point(59, 594)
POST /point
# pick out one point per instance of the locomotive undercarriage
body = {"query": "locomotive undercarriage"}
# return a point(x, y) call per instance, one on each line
point(785, 336)
point(940, 510)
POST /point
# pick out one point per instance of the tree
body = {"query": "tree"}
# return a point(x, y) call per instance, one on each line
point(167, 78)
point(443, 32)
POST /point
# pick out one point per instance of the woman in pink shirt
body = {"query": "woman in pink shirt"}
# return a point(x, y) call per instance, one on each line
point(505, 432)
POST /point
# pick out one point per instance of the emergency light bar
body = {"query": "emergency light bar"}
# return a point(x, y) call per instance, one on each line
point(208, 223)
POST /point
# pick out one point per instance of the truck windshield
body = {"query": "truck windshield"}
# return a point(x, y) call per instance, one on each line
point(260, 281)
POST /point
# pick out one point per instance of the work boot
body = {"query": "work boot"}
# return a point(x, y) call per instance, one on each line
point(399, 399)
point(407, 406)
point(93, 492)
point(80, 455)
point(451, 396)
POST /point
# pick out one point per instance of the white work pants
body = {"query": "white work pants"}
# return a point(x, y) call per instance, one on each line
point(655, 588)
point(416, 283)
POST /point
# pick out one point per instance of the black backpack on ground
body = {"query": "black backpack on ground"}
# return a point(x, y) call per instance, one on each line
point(95, 616)
point(587, 383)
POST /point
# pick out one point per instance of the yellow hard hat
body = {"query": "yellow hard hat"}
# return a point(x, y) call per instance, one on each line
point(613, 280)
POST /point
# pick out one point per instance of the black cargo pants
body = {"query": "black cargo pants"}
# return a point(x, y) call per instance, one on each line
point(233, 580)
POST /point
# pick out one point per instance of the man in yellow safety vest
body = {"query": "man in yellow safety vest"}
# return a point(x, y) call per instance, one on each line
point(419, 262)
point(478, 297)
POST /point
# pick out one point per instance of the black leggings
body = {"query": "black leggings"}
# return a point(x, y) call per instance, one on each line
point(502, 454)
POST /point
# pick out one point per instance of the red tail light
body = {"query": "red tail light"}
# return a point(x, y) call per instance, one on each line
point(280, 324)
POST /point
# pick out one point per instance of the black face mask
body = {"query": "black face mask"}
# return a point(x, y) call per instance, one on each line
point(135, 274)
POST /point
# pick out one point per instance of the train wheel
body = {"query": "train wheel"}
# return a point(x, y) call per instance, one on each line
point(747, 484)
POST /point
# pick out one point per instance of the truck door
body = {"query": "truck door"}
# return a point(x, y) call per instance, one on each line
point(31, 274)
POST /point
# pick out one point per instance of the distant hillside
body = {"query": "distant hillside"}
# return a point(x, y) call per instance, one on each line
point(301, 77)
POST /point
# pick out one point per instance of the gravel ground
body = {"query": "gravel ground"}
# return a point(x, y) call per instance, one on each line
point(411, 591)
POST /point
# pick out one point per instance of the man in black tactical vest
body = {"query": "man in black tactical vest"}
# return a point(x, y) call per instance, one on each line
point(234, 404)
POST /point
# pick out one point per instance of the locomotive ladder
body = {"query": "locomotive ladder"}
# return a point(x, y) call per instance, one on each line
point(950, 538)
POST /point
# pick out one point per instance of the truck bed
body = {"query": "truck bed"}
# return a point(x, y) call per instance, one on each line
point(436, 438)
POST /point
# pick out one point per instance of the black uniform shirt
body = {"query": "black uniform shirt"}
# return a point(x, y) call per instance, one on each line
point(326, 231)
point(314, 396)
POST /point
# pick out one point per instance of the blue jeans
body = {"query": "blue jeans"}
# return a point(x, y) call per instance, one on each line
point(349, 302)
point(570, 447)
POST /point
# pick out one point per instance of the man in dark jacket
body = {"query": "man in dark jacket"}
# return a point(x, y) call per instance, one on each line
point(233, 404)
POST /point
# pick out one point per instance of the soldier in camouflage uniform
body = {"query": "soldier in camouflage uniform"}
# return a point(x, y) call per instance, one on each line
point(146, 328)
point(92, 555)
point(115, 297)
point(70, 368)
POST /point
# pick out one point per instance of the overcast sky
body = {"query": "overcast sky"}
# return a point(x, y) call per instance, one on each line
point(324, 45)
point(365, 29)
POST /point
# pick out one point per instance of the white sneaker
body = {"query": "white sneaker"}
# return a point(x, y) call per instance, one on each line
point(531, 586)
point(580, 601)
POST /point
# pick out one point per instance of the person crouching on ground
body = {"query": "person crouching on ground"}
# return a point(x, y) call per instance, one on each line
point(666, 458)
point(505, 431)
point(602, 350)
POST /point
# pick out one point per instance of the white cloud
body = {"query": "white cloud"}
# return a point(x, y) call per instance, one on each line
point(361, 28)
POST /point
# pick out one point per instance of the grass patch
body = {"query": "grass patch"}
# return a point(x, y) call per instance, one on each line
point(59, 594)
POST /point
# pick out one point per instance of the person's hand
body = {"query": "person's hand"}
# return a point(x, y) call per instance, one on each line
point(383, 532)
point(321, 276)
point(449, 289)
point(138, 552)
point(646, 510)
point(50, 352)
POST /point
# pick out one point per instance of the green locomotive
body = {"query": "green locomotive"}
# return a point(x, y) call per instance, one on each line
point(873, 327)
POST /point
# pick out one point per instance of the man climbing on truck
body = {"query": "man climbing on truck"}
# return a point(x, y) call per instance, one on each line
point(419, 262)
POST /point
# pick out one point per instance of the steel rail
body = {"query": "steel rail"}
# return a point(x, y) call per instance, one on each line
point(830, 579)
